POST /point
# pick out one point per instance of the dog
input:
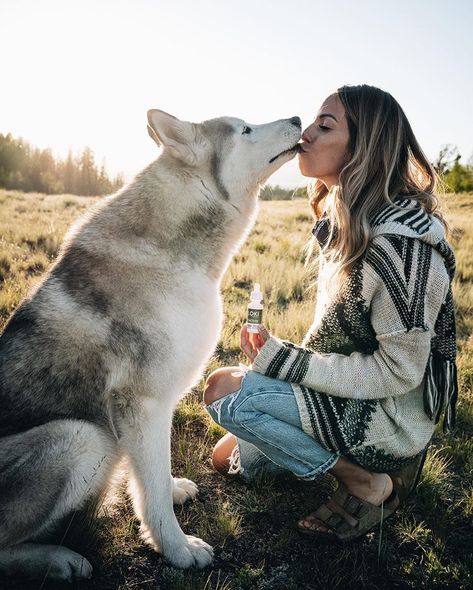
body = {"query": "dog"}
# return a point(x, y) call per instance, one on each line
point(96, 357)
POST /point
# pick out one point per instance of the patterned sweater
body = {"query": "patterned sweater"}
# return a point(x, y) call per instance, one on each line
point(359, 376)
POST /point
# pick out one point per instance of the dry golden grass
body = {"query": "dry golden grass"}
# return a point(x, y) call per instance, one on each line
point(429, 544)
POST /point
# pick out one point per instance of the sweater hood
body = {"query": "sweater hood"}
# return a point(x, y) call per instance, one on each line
point(405, 218)
point(408, 218)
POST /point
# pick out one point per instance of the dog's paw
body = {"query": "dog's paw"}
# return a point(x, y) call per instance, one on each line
point(183, 490)
point(192, 553)
point(66, 565)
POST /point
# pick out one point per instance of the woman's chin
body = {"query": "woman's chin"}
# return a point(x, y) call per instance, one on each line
point(304, 171)
point(303, 167)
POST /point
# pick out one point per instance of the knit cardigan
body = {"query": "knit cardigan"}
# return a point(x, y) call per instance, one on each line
point(362, 372)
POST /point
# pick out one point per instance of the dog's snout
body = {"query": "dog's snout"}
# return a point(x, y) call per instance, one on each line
point(296, 121)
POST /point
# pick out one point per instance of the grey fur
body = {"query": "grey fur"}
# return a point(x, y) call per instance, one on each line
point(43, 377)
point(75, 271)
point(215, 168)
point(39, 447)
point(127, 341)
point(209, 224)
point(220, 134)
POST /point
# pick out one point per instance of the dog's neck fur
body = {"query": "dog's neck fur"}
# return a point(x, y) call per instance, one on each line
point(172, 219)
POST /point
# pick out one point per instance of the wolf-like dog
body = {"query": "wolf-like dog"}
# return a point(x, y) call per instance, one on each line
point(95, 359)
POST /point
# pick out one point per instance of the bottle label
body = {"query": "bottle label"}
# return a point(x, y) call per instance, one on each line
point(255, 316)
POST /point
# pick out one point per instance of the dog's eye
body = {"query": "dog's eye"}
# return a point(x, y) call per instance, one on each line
point(246, 130)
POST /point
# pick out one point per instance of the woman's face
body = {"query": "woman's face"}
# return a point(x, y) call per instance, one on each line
point(324, 148)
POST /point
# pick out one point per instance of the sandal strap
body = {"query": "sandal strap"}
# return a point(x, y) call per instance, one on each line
point(330, 518)
point(324, 513)
point(353, 506)
point(341, 495)
point(335, 521)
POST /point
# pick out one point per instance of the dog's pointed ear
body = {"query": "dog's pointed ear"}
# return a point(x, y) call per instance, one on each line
point(172, 133)
point(154, 136)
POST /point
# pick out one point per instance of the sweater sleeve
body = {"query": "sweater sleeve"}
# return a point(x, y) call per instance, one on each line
point(403, 309)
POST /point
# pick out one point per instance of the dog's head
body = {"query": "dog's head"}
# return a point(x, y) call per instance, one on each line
point(238, 156)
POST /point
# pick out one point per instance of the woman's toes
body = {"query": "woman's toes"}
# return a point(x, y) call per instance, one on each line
point(312, 523)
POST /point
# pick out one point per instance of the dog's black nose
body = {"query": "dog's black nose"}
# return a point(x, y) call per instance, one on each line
point(296, 121)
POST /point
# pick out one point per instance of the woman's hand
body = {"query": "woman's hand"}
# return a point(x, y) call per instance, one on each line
point(250, 343)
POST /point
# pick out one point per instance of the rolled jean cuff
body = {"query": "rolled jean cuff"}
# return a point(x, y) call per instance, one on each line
point(320, 469)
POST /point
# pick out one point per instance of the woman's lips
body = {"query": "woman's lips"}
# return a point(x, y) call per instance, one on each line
point(302, 147)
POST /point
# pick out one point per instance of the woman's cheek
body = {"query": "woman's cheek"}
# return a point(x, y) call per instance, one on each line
point(308, 164)
point(303, 165)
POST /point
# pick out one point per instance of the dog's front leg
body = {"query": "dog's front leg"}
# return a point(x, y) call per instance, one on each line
point(146, 440)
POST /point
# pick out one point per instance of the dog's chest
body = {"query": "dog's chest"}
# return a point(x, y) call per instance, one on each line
point(189, 317)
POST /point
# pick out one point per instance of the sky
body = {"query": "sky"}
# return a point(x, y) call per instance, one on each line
point(77, 73)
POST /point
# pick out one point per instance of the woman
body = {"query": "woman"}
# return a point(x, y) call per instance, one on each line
point(362, 394)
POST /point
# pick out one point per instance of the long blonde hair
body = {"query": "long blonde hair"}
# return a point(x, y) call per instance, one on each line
point(385, 161)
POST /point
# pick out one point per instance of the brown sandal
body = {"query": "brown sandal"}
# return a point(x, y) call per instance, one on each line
point(368, 516)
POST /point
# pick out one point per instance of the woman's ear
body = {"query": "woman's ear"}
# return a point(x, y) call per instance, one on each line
point(173, 134)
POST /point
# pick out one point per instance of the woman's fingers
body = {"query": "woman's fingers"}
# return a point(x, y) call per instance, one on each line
point(245, 344)
point(254, 339)
point(264, 334)
point(259, 338)
point(252, 342)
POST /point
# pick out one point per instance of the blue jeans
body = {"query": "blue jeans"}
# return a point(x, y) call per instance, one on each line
point(264, 416)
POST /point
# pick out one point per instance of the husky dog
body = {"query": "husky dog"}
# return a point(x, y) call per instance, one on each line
point(95, 359)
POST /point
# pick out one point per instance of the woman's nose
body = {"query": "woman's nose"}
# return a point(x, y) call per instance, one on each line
point(306, 135)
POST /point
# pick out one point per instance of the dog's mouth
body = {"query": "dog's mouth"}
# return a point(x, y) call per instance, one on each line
point(293, 150)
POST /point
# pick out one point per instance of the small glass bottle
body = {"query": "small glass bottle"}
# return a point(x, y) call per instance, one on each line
point(255, 310)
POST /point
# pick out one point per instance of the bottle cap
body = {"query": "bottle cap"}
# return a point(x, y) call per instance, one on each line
point(256, 293)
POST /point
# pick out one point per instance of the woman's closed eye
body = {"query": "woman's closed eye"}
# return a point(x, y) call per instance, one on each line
point(324, 127)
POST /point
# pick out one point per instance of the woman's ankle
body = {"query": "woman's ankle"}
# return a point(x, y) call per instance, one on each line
point(349, 473)
point(367, 485)
point(376, 491)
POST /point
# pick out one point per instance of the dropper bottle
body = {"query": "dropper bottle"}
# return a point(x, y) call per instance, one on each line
point(255, 310)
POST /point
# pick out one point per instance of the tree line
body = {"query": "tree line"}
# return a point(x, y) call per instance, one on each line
point(457, 177)
point(278, 193)
point(27, 168)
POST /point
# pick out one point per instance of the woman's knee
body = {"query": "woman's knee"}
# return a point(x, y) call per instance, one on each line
point(247, 407)
point(221, 382)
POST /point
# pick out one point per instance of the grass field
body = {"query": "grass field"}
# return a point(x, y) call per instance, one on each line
point(428, 544)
